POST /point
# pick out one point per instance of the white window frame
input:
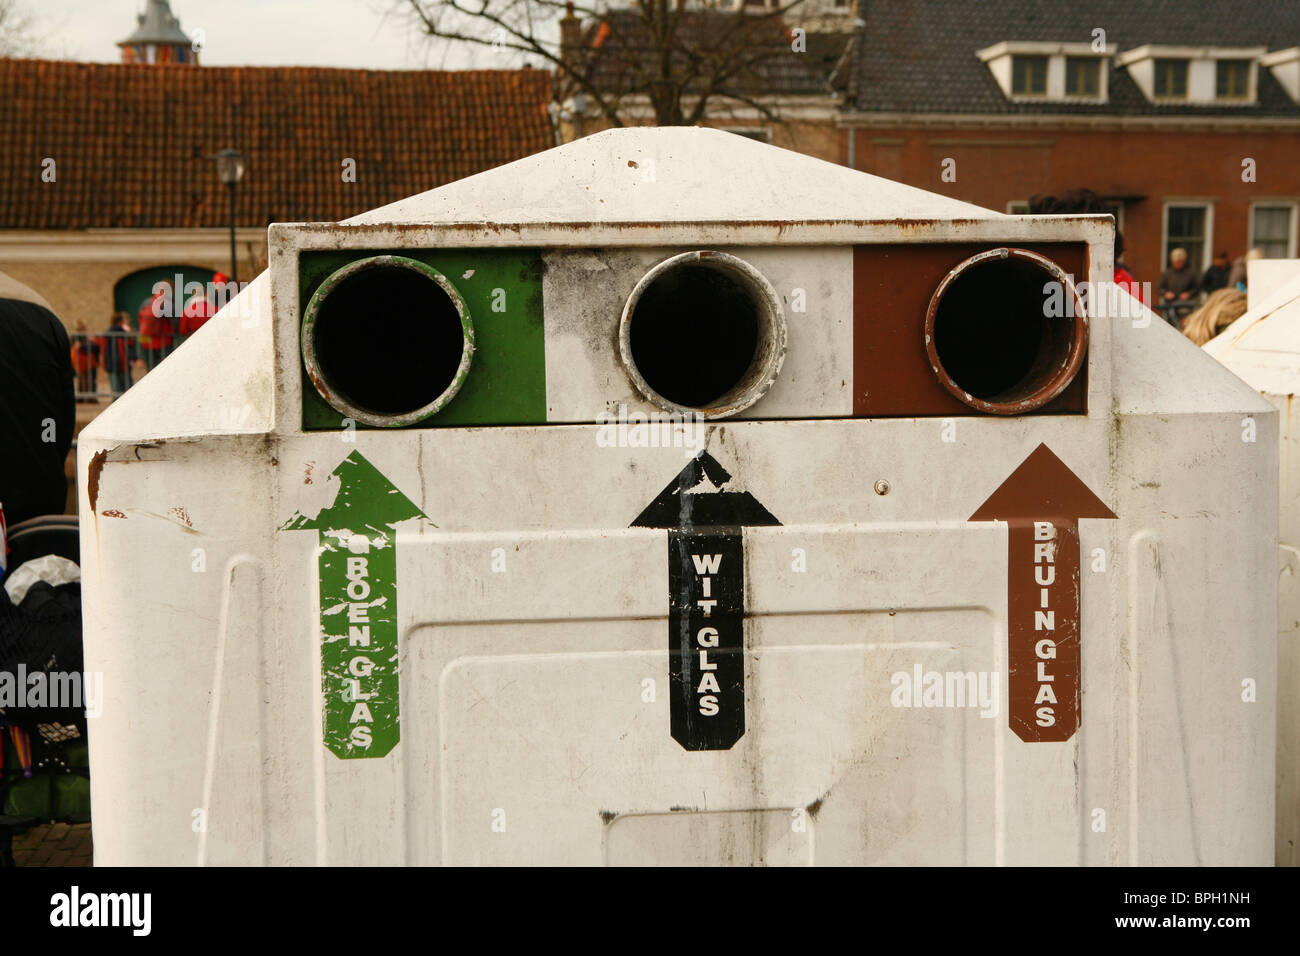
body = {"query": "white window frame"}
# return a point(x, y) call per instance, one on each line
point(1207, 254)
point(1293, 205)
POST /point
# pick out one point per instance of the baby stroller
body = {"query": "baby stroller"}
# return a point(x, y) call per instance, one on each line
point(42, 737)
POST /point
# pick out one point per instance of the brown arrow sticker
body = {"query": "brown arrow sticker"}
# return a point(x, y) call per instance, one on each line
point(1042, 502)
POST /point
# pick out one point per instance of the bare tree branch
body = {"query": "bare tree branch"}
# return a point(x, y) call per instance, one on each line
point(18, 36)
point(678, 57)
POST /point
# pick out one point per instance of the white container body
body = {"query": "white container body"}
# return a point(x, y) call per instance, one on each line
point(532, 653)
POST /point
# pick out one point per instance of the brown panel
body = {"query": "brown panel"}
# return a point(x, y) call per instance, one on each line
point(892, 285)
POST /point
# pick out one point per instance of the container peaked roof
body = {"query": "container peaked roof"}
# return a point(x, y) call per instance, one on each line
point(668, 175)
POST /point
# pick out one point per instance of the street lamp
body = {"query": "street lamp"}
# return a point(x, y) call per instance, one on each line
point(230, 167)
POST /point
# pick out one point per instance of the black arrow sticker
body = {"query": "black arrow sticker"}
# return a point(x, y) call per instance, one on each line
point(706, 601)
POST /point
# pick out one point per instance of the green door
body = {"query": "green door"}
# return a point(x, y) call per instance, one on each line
point(133, 291)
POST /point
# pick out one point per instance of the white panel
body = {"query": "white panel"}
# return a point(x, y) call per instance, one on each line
point(585, 292)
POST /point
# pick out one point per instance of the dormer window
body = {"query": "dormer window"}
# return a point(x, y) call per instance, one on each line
point(1029, 75)
point(1171, 79)
point(1082, 76)
point(1032, 70)
point(1232, 79)
point(1195, 75)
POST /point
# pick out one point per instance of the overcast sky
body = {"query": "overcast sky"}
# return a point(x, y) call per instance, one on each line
point(346, 33)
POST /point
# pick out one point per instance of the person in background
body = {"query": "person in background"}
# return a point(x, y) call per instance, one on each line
point(1237, 277)
point(85, 362)
point(200, 308)
point(38, 407)
point(1221, 309)
point(1087, 201)
point(1216, 277)
point(1178, 285)
point(118, 351)
point(156, 325)
point(1123, 278)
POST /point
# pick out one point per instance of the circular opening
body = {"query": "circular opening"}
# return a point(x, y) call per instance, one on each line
point(387, 340)
point(703, 332)
point(1005, 331)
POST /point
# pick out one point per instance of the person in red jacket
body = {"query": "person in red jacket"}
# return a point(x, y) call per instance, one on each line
point(85, 362)
point(200, 308)
point(156, 325)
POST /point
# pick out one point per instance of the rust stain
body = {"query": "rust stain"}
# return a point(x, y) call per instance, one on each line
point(921, 223)
point(307, 479)
point(320, 385)
point(333, 230)
point(92, 477)
point(182, 515)
point(112, 513)
point(631, 164)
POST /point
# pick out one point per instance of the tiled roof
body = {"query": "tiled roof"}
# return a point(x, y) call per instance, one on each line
point(918, 56)
point(132, 143)
point(627, 57)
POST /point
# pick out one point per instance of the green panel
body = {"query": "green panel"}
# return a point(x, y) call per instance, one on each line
point(503, 289)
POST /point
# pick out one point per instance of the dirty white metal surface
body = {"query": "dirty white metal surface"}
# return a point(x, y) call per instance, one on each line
point(1263, 348)
point(1264, 277)
point(531, 615)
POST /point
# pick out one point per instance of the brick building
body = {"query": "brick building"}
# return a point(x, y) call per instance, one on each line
point(108, 184)
point(1184, 115)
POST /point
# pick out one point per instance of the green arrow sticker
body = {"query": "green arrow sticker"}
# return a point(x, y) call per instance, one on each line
point(358, 605)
